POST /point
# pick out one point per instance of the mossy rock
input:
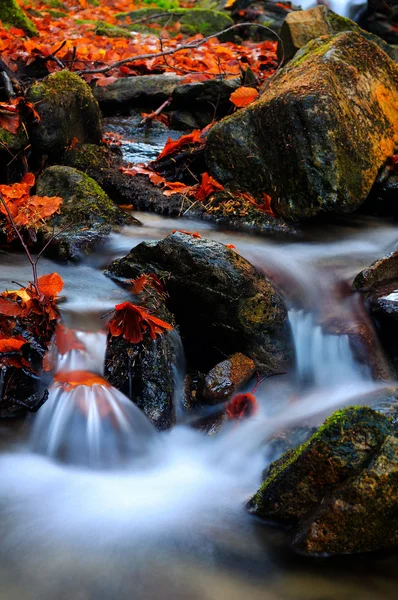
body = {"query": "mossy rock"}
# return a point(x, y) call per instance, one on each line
point(221, 302)
point(193, 20)
point(68, 113)
point(318, 135)
point(86, 208)
point(362, 514)
point(302, 478)
point(300, 27)
point(13, 142)
point(12, 14)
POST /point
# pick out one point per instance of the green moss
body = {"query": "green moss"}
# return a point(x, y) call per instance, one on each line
point(12, 142)
point(12, 14)
point(56, 4)
point(87, 157)
point(57, 14)
point(111, 31)
point(54, 86)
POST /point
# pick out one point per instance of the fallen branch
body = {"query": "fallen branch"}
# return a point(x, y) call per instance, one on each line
point(188, 46)
point(149, 118)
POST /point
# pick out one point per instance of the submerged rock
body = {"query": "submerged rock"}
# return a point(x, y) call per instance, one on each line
point(220, 301)
point(68, 113)
point(92, 216)
point(338, 490)
point(301, 143)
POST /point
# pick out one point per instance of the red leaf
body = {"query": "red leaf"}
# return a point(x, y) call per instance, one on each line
point(132, 322)
point(66, 340)
point(50, 285)
point(11, 345)
point(207, 187)
point(9, 308)
point(241, 405)
point(171, 147)
point(72, 379)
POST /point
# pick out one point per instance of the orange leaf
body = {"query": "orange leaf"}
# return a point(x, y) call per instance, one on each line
point(175, 187)
point(9, 308)
point(67, 340)
point(207, 187)
point(50, 285)
point(132, 322)
point(194, 234)
point(243, 96)
point(11, 345)
point(171, 147)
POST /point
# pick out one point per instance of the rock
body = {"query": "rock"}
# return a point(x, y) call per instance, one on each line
point(379, 17)
point(68, 113)
point(301, 143)
point(361, 515)
point(382, 271)
point(183, 121)
point(192, 20)
point(300, 27)
point(111, 31)
point(265, 12)
point(145, 372)
point(220, 301)
point(127, 92)
point(201, 95)
point(226, 377)
point(85, 206)
point(12, 14)
point(302, 479)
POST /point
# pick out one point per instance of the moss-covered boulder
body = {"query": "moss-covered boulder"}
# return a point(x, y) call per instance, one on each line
point(193, 20)
point(362, 514)
point(68, 113)
point(300, 27)
point(12, 14)
point(301, 478)
point(86, 208)
point(220, 301)
point(318, 135)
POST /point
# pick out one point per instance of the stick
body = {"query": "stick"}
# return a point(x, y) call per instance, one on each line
point(188, 46)
point(155, 113)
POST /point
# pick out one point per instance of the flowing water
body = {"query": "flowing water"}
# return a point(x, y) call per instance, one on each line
point(95, 504)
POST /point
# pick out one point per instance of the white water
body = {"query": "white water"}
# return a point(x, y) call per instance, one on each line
point(168, 520)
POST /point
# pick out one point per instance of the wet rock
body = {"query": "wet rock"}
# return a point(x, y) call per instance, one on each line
point(265, 12)
point(226, 377)
point(183, 120)
point(300, 27)
point(11, 14)
point(220, 301)
point(145, 372)
point(92, 216)
point(192, 20)
point(213, 94)
point(361, 515)
point(68, 113)
point(146, 90)
point(301, 480)
point(382, 271)
point(20, 391)
point(300, 143)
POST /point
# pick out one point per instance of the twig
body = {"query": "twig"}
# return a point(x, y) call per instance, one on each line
point(149, 118)
point(55, 58)
point(188, 46)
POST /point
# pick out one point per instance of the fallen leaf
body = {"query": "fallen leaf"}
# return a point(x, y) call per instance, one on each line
point(132, 322)
point(243, 96)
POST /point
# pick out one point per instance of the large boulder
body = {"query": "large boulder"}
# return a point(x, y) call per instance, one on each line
point(86, 209)
point(338, 491)
point(68, 114)
point(303, 143)
point(220, 301)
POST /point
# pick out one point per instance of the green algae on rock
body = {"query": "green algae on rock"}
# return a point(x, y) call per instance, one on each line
point(318, 135)
point(12, 14)
point(86, 207)
point(221, 302)
point(299, 481)
point(68, 113)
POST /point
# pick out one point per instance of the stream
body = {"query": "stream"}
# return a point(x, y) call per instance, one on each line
point(96, 504)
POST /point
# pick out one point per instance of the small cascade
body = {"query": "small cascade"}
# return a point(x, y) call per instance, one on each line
point(322, 359)
point(86, 421)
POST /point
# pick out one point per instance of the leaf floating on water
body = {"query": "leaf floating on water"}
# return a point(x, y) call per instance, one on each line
point(132, 322)
point(243, 96)
point(66, 340)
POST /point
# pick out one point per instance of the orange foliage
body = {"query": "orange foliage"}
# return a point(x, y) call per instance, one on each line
point(26, 210)
point(241, 406)
point(174, 146)
point(66, 340)
point(139, 284)
point(193, 234)
point(243, 96)
point(207, 187)
point(132, 322)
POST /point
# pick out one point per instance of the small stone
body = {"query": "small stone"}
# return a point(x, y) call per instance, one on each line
point(226, 377)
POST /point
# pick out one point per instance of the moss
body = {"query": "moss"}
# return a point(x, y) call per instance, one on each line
point(13, 142)
point(54, 86)
point(57, 14)
point(111, 31)
point(12, 14)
